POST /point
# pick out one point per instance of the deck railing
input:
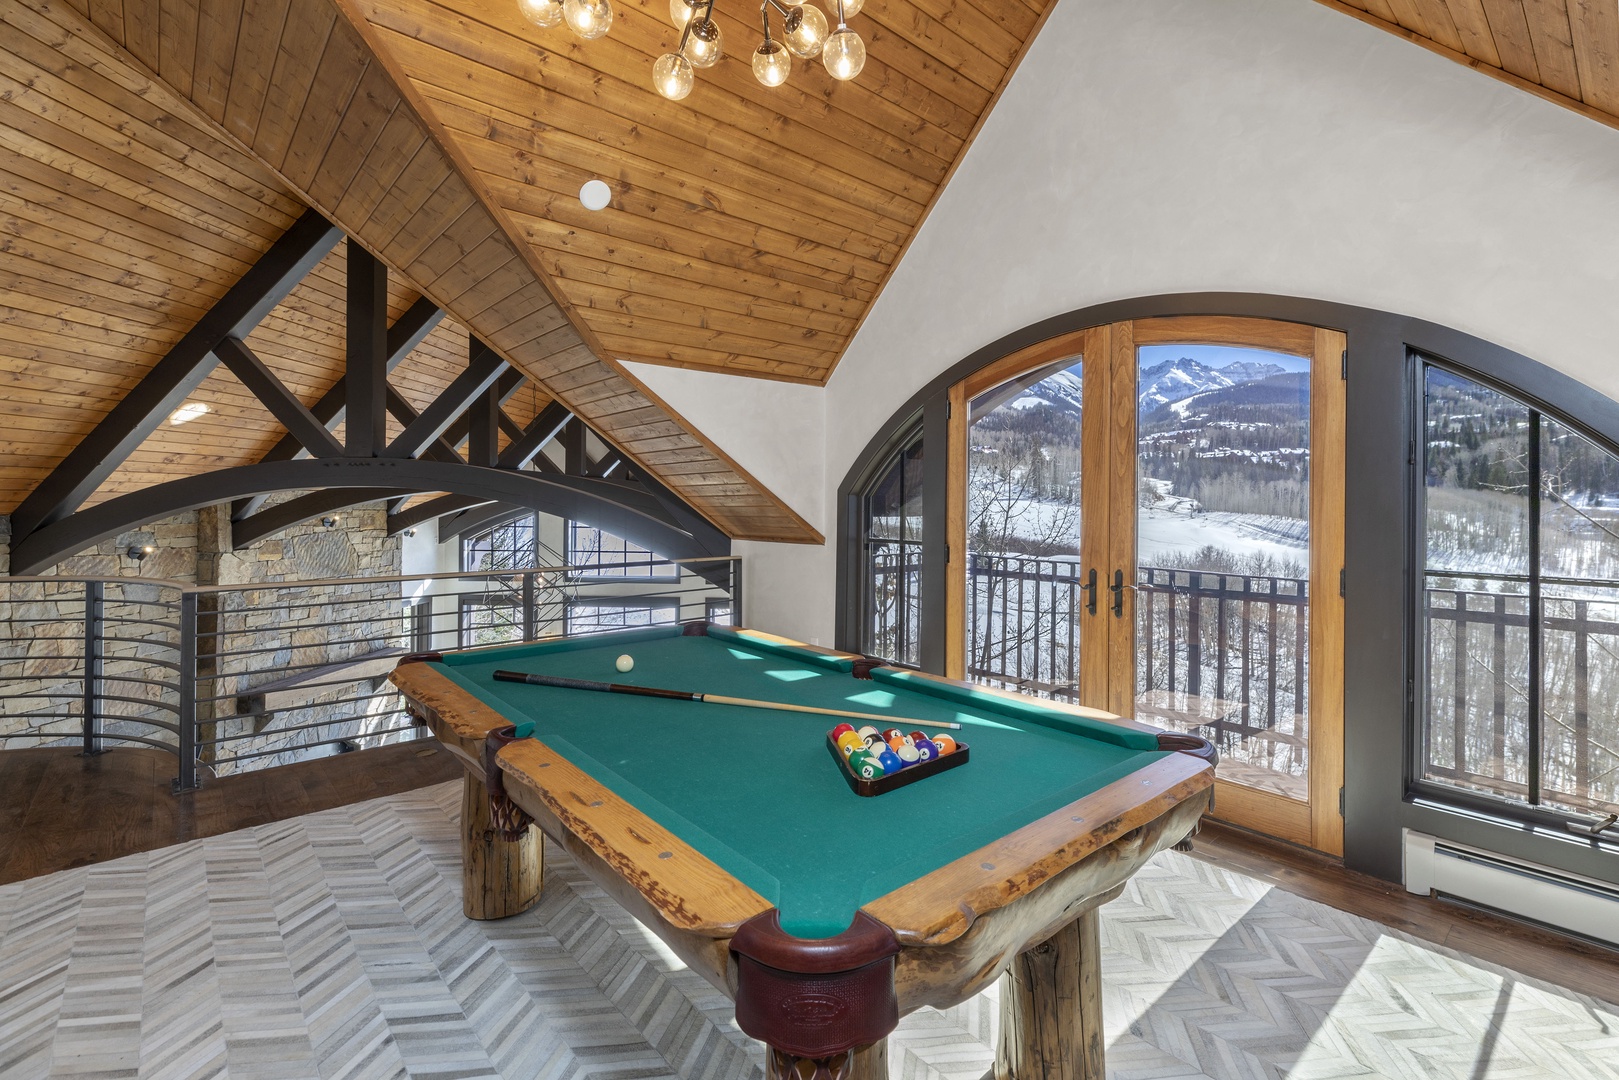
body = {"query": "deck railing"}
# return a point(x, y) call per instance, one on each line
point(1236, 642)
point(1481, 696)
point(247, 676)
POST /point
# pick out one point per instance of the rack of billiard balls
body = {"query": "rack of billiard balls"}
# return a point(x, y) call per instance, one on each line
point(875, 761)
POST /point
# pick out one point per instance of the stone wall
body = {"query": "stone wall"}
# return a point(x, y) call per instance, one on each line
point(269, 629)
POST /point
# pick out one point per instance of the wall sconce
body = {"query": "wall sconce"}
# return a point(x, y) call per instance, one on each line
point(410, 532)
point(329, 522)
point(139, 553)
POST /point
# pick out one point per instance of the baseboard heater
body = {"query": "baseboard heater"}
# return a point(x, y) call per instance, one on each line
point(1540, 894)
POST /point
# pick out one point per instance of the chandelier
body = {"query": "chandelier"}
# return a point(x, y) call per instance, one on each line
point(804, 34)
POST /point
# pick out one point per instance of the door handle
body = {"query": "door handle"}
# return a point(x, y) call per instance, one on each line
point(1118, 588)
point(1089, 589)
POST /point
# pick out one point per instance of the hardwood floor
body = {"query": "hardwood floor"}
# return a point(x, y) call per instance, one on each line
point(1570, 962)
point(59, 810)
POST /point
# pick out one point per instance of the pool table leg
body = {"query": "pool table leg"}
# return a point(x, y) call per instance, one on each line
point(499, 877)
point(861, 1063)
point(1051, 1008)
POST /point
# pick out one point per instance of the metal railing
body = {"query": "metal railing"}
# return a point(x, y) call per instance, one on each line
point(238, 677)
point(1482, 725)
point(1235, 640)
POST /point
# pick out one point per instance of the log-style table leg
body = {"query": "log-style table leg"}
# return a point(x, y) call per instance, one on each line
point(1051, 1008)
point(499, 877)
point(861, 1063)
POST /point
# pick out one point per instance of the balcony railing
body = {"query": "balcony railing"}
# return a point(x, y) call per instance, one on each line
point(1225, 654)
point(229, 678)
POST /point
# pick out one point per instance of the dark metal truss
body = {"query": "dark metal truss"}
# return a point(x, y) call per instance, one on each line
point(485, 484)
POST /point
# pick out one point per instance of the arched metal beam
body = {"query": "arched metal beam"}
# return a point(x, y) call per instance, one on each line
point(304, 508)
point(633, 515)
point(413, 516)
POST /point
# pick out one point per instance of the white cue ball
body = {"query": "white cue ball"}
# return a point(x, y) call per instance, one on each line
point(625, 662)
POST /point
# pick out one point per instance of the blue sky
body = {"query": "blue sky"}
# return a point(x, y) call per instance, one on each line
point(1218, 356)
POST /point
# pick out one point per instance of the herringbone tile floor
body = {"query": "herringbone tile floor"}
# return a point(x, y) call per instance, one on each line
point(333, 946)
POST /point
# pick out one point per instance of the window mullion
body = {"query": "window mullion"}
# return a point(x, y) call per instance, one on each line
point(1534, 609)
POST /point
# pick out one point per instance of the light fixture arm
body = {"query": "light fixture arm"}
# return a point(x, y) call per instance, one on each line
point(685, 33)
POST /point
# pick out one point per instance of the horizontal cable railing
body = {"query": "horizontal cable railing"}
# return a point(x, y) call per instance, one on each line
point(238, 677)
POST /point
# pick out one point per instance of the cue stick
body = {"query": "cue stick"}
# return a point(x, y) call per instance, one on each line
point(711, 699)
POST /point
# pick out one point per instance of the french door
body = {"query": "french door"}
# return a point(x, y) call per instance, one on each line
point(1147, 519)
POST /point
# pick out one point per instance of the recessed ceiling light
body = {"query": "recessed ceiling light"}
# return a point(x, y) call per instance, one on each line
point(188, 412)
point(595, 195)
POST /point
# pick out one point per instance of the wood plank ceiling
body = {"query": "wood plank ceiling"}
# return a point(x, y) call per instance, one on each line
point(1566, 51)
point(750, 228)
point(143, 200)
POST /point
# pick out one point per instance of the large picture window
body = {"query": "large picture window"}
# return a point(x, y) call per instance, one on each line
point(892, 555)
point(598, 554)
point(1519, 604)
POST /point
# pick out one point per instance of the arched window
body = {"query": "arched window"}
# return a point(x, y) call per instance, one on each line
point(891, 564)
point(1519, 604)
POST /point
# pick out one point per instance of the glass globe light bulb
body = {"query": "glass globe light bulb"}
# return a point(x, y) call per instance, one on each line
point(590, 19)
point(704, 47)
point(681, 11)
point(806, 31)
point(851, 8)
point(544, 13)
point(672, 76)
point(772, 63)
point(844, 54)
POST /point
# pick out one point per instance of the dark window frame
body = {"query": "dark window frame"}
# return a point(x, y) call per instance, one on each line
point(651, 603)
point(653, 560)
point(1418, 361)
point(466, 543)
point(1379, 676)
point(910, 441)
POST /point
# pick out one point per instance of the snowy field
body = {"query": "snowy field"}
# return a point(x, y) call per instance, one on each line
point(1163, 533)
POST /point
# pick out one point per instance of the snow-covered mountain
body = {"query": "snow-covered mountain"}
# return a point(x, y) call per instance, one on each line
point(1177, 380)
point(1063, 391)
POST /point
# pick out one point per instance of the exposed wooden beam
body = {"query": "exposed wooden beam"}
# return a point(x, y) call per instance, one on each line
point(410, 517)
point(407, 332)
point(404, 412)
point(273, 394)
point(541, 430)
point(465, 391)
point(636, 516)
point(367, 374)
point(176, 376)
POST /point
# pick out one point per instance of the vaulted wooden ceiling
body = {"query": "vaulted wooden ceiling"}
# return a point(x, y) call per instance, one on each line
point(259, 107)
point(152, 150)
point(750, 228)
point(1566, 51)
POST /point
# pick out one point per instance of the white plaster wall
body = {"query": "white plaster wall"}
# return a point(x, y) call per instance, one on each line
point(1157, 146)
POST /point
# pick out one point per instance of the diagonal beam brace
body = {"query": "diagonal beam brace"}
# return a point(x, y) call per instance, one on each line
point(175, 376)
point(483, 368)
point(407, 332)
point(273, 394)
point(404, 412)
point(510, 381)
point(541, 430)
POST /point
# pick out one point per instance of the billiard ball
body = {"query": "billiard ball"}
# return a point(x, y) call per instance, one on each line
point(907, 751)
point(867, 732)
point(837, 732)
point(865, 765)
point(890, 760)
point(925, 749)
point(849, 742)
point(891, 734)
point(624, 662)
point(945, 743)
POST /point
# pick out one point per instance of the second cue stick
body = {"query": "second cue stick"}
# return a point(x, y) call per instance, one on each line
point(711, 699)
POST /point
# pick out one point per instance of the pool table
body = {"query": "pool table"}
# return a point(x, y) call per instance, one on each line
point(824, 915)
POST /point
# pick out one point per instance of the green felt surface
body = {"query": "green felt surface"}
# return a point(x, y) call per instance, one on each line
point(756, 791)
